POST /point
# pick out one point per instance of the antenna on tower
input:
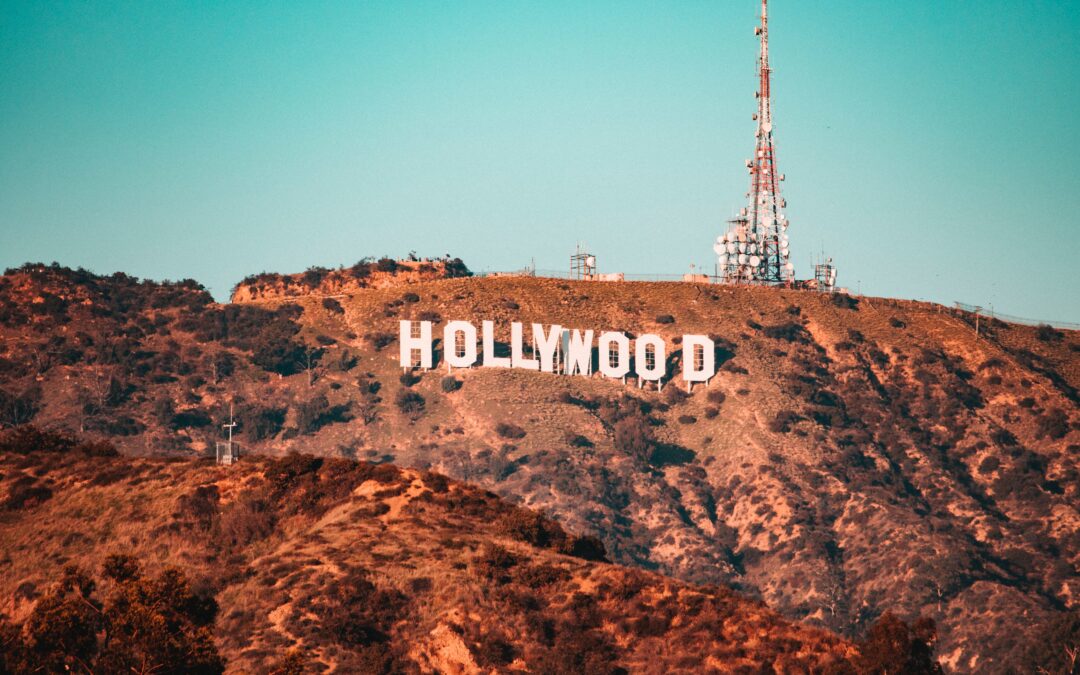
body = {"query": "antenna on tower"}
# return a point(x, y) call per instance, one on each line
point(755, 248)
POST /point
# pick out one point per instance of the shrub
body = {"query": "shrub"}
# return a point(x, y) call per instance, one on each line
point(450, 384)
point(380, 340)
point(716, 396)
point(844, 301)
point(27, 438)
point(456, 268)
point(892, 646)
point(665, 319)
point(1047, 333)
point(191, 418)
point(333, 306)
point(711, 412)
point(410, 403)
point(577, 440)
point(408, 378)
point(388, 265)
point(633, 436)
point(155, 624)
point(19, 408)
point(1053, 423)
point(687, 419)
point(315, 414)
point(789, 332)
point(258, 423)
point(411, 297)
point(782, 422)
point(508, 430)
point(896, 323)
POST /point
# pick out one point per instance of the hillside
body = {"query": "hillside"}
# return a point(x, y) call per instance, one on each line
point(382, 273)
point(347, 566)
point(852, 456)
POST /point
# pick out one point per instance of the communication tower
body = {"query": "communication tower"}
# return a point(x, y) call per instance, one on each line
point(754, 250)
point(582, 264)
point(825, 276)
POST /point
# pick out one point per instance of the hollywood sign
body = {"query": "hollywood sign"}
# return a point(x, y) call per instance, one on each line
point(557, 350)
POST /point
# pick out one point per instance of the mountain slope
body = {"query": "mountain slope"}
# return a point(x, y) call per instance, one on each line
point(356, 567)
point(852, 456)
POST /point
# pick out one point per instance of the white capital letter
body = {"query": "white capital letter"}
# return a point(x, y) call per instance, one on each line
point(517, 357)
point(698, 350)
point(641, 349)
point(578, 352)
point(450, 333)
point(409, 343)
point(621, 367)
point(546, 345)
point(490, 360)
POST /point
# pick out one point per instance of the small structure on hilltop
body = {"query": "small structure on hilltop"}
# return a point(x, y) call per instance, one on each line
point(582, 264)
point(228, 453)
point(825, 276)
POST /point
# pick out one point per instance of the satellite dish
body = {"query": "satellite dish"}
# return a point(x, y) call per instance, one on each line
point(767, 127)
point(742, 247)
point(742, 258)
point(591, 261)
point(731, 248)
point(719, 249)
point(722, 260)
point(789, 267)
point(720, 240)
point(754, 261)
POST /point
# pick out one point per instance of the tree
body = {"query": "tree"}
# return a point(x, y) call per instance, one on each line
point(892, 647)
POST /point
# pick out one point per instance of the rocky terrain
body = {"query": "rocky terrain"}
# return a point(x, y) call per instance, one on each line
point(382, 273)
point(853, 456)
point(302, 564)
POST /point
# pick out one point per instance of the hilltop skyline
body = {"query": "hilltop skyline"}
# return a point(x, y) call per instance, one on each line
point(931, 149)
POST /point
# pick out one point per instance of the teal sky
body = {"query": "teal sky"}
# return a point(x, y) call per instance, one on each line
point(933, 148)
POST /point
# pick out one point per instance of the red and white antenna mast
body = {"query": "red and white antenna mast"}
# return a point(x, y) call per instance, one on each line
point(755, 248)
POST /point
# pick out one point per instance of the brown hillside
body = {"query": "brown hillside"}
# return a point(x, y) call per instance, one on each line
point(851, 457)
point(382, 273)
point(355, 567)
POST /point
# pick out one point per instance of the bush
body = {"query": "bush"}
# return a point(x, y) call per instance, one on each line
point(388, 265)
point(315, 414)
point(687, 419)
point(844, 301)
point(633, 436)
point(781, 424)
point(897, 323)
point(789, 332)
point(577, 440)
point(716, 396)
point(19, 408)
point(450, 384)
point(333, 306)
point(410, 403)
point(665, 319)
point(511, 431)
point(408, 378)
point(155, 624)
point(411, 297)
point(258, 423)
point(892, 646)
point(1053, 423)
point(380, 340)
point(1047, 333)
point(23, 440)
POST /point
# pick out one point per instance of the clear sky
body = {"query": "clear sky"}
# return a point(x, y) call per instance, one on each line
point(932, 147)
